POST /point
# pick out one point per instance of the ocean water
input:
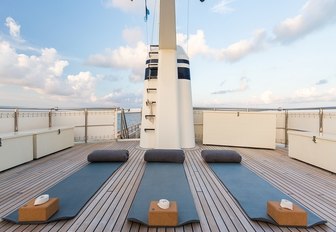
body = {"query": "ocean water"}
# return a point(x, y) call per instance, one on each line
point(131, 119)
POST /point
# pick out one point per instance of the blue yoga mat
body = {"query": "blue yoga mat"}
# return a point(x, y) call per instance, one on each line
point(164, 181)
point(75, 190)
point(252, 192)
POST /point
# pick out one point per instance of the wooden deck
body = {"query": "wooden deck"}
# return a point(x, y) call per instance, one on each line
point(218, 211)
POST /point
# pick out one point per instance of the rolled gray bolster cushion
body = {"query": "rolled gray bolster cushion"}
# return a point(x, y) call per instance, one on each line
point(164, 155)
point(108, 156)
point(221, 156)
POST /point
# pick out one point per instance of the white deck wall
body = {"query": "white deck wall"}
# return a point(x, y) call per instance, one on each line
point(302, 121)
point(316, 149)
point(101, 124)
point(51, 140)
point(15, 149)
point(243, 129)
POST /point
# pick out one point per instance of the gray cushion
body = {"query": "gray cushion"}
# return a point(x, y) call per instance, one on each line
point(221, 156)
point(164, 155)
point(108, 156)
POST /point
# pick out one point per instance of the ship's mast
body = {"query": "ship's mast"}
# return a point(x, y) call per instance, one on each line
point(173, 117)
point(167, 120)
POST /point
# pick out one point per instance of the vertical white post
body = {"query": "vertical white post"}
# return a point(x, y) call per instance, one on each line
point(167, 25)
point(167, 124)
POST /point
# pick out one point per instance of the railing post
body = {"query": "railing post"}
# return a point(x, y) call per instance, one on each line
point(86, 125)
point(321, 121)
point(286, 128)
point(116, 123)
point(123, 125)
point(16, 121)
point(50, 117)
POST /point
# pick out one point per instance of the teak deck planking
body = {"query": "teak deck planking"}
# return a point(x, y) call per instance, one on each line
point(217, 209)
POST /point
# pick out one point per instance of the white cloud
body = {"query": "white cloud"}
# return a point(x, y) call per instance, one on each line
point(35, 71)
point(43, 74)
point(14, 28)
point(313, 95)
point(241, 49)
point(303, 97)
point(222, 7)
point(132, 35)
point(7, 55)
point(83, 85)
point(119, 97)
point(267, 97)
point(314, 14)
point(299, 96)
point(306, 92)
point(322, 82)
point(125, 5)
point(196, 45)
point(125, 57)
point(243, 86)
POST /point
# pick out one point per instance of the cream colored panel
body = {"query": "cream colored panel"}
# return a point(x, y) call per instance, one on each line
point(245, 129)
point(15, 149)
point(50, 140)
point(312, 148)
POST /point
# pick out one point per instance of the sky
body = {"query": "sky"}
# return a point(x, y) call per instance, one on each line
point(74, 53)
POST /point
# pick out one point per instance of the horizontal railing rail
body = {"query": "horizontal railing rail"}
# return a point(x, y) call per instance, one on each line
point(14, 119)
point(307, 119)
point(100, 123)
point(133, 131)
point(264, 109)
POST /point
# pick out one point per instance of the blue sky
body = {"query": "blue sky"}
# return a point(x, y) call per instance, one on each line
point(72, 53)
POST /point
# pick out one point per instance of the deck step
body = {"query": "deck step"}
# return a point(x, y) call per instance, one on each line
point(153, 53)
point(150, 102)
point(151, 89)
point(150, 116)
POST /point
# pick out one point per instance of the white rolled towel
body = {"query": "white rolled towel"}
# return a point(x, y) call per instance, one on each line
point(41, 199)
point(163, 204)
point(286, 204)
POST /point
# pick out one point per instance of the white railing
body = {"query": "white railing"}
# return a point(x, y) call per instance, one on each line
point(316, 120)
point(91, 124)
point(98, 124)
